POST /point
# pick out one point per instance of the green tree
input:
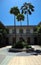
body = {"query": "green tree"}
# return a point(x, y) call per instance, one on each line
point(20, 17)
point(27, 8)
point(3, 34)
point(38, 31)
point(15, 11)
point(39, 34)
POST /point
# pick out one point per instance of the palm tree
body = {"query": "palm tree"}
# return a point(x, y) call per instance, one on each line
point(27, 8)
point(15, 11)
point(20, 17)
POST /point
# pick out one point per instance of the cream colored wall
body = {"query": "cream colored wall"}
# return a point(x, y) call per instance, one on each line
point(24, 30)
point(31, 30)
point(10, 30)
point(17, 30)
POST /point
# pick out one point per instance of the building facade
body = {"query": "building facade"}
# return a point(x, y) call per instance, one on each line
point(26, 32)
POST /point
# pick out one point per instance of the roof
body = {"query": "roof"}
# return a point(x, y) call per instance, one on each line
point(22, 26)
point(1, 25)
point(39, 23)
point(11, 26)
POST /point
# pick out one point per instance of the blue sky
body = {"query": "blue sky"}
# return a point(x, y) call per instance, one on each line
point(8, 19)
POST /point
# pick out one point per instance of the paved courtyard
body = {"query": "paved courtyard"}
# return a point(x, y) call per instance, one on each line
point(20, 58)
point(27, 60)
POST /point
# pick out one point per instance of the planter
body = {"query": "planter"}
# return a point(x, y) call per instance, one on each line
point(21, 50)
point(15, 50)
point(30, 50)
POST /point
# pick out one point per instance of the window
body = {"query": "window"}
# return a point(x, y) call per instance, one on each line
point(10, 31)
point(14, 31)
point(21, 31)
point(35, 40)
point(0, 30)
point(31, 30)
point(27, 31)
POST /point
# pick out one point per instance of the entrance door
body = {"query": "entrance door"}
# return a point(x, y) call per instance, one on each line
point(7, 41)
point(35, 40)
point(28, 40)
point(14, 40)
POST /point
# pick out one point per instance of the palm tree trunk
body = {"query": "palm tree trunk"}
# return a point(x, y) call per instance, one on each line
point(27, 23)
point(20, 23)
point(27, 19)
point(15, 28)
point(20, 29)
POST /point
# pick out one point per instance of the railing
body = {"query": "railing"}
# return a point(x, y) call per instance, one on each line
point(23, 34)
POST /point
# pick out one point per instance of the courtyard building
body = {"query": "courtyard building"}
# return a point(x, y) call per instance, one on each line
point(26, 32)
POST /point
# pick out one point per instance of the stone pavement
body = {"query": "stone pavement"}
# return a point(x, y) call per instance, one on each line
point(2, 57)
point(6, 58)
point(25, 60)
point(36, 47)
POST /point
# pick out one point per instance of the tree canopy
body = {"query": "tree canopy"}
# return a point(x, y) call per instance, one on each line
point(14, 10)
point(20, 17)
point(38, 29)
point(27, 8)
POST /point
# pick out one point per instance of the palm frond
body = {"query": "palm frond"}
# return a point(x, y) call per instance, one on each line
point(25, 12)
point(29, 12)
point(14, 10)
point(27, 6)
point(20, 17)
point(22, 7)
point(32, 9)
point(22, 11)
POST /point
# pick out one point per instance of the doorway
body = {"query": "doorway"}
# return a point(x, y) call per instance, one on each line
point(35, 40)
point(14, 40)
point(28, 40)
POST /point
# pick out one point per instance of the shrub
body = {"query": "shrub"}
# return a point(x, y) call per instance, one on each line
point(28, 46)
point(19, 45)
